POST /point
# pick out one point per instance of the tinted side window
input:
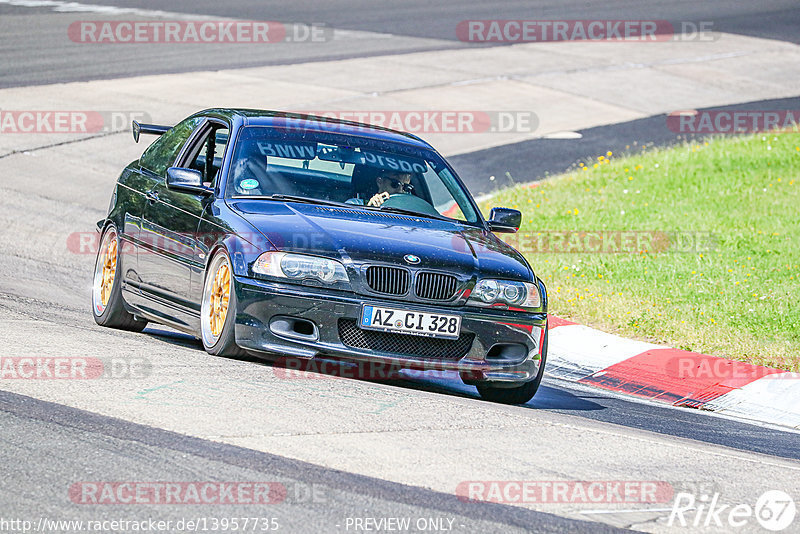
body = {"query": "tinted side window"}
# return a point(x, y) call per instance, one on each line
point(163, 152)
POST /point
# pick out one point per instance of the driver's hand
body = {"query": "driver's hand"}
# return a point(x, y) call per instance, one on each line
point(378, 199)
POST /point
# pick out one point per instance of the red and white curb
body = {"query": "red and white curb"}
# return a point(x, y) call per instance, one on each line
point(677, 377)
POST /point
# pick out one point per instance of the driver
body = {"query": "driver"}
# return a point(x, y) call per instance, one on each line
point(389, 183)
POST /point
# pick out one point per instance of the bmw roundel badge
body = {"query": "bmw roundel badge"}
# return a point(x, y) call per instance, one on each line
point(410, 258)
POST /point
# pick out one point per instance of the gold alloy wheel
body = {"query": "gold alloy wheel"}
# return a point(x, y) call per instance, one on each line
point(220, 296)
point(109, 270)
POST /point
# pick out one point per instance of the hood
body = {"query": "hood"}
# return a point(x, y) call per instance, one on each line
point(365, 236)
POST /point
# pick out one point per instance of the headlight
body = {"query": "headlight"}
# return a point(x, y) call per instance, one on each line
point(300, 267)
point(489, 292)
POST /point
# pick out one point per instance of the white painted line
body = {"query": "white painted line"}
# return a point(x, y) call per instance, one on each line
point(625, 511)
point(77, 7)
point(589, 388)
point(563, 135)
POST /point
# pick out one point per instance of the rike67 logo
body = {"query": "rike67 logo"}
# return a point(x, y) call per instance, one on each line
point(774, 510)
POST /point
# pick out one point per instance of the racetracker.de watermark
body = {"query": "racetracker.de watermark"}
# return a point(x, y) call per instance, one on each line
point(693, 366)
point(734, 121)
point(196, 32)
point(322, 369)
point(545, 242)
point(598, 30)
point(565, 491)
point(67, 121)
point(608, 242)
point(425, 121)
point(172, 493)
point(73, 368)
point(299, 369)
point(195, 492)
point(185, 243)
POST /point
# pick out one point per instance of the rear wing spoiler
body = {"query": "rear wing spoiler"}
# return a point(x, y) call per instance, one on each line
point(151, 129)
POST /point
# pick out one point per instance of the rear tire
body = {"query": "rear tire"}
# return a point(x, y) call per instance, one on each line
point(218, 309)
point(516, 395)
point(107, 306)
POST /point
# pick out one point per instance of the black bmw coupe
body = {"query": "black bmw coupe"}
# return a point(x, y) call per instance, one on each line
point(280, 234)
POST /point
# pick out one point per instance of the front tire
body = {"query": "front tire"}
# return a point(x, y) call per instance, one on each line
point(516, 395)
point(107, 306)
point(218, 309)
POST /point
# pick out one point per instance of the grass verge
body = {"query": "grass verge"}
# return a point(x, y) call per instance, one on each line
point(695, 246)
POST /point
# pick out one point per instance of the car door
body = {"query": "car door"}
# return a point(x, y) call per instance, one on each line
point(151, 169)
point(169, 242)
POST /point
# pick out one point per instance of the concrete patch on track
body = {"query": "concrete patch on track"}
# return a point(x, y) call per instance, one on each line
point(568, 86)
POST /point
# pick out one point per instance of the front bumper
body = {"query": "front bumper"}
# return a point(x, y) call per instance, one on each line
point(501, 346)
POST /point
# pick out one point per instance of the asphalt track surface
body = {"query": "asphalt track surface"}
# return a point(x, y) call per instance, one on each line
point(315, 499)
point(47, 446)
point(437, 20)
point(46, 55)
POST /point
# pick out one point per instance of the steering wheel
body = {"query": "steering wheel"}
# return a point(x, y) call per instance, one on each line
point(409, 202)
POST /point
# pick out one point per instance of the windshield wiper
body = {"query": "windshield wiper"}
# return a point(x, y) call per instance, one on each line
point(392, 209)
point(292, 198)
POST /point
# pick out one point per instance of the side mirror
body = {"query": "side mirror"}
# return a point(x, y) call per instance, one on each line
point(187, 181)
point(505, 220)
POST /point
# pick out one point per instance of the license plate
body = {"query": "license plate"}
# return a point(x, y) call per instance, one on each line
point(408, 322)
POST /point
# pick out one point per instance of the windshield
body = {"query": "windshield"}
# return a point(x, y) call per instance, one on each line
point(325, 168)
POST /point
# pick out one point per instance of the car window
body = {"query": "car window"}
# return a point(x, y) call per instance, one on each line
point(447, 196)
point(207, 154)
point(160, 155)
point(346, 169)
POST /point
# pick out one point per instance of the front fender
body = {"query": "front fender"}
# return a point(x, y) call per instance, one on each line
point(242, 246)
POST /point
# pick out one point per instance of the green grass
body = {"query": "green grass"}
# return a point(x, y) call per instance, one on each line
point(736, 298)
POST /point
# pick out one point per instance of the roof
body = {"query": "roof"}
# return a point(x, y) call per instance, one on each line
point(316, 123)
